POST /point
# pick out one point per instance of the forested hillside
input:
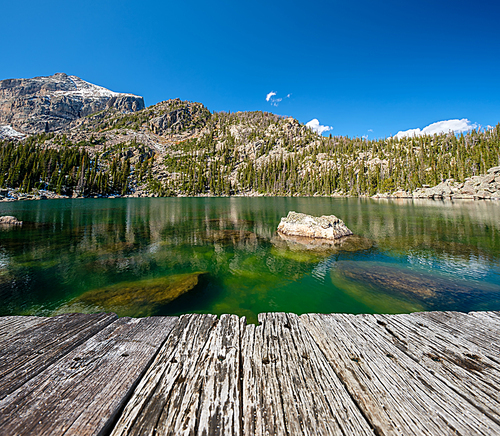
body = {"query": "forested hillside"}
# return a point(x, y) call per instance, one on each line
point(180, 148)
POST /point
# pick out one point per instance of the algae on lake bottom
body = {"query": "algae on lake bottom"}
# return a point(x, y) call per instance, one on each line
point(138, 298)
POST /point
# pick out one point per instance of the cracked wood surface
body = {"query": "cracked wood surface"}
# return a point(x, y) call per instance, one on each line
point(289, 386)
point(396, 392)
point(82, 392)
point(193, 385)
point(12, 325)
point(32, 350)
point(431, 373)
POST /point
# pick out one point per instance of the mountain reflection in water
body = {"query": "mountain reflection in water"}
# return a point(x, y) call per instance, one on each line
point(407, 256)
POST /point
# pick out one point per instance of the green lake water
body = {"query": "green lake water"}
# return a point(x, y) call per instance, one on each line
point(408, 256)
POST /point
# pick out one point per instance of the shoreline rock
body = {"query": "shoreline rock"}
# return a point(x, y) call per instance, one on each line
point(9, 220)
point(325, 227)
point(483, 187)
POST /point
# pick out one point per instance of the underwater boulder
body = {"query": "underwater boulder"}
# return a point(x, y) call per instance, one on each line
point(319, 245)
point(137, 298)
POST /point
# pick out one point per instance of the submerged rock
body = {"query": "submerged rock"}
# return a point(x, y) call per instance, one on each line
point(8, 220)
point(321, 245)
point(139, 298)
point(327, 227)
point(392, 289)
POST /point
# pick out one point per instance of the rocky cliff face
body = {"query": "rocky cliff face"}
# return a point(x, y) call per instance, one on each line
point(47, 104)
point(174, 119)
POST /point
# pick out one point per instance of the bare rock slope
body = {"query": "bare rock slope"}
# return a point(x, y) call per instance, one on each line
point(50, 103)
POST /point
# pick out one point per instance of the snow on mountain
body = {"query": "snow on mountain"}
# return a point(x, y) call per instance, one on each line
point(86, 89)
point(7, 132)
point(51, 103)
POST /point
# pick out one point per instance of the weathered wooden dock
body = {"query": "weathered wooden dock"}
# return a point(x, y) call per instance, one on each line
point(434, 373)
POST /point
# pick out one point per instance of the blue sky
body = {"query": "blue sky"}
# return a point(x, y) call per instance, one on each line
point(360, 67)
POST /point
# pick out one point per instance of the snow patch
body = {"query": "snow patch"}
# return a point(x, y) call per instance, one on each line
point(8, 132)
point(86, 89)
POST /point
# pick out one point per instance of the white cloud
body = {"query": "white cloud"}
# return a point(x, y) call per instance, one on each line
point(317, 127)
point(370, 130)
point(456, 126)
point(275, 101)
point(270, 95)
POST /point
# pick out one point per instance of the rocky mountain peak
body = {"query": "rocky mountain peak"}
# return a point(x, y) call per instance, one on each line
point(50, 103)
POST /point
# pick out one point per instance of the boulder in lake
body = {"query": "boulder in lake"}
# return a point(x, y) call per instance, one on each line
point(10, 221)
point(325, 227)
point(137, 298)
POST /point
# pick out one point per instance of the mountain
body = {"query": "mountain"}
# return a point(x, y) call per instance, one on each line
point(179, 147)
point(51, 103)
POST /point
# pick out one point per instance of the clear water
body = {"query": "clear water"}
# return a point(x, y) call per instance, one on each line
point(413, 255)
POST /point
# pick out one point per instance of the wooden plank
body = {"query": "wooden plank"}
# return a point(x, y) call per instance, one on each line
point(458, 363)
point(34, 349)
point(12, 325)
point(81, 393)
point(483, 334)
point(395, 393)
point(288, 385)
point(192, 387)
point(487, 317)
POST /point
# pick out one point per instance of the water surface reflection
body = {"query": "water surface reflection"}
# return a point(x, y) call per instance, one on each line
point(409, 255)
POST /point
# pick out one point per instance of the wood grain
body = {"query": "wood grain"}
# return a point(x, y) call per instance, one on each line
point(36, 348)
point(457, 362)
point(82, 392)
point(12, 325)
point(396, 393)
point(193, 385)
point(431, 373)
point(288, 385)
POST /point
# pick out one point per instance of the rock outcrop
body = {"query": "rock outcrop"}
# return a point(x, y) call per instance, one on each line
point(8, 220)
point(50, 103)
point(178, 116)
point(477, 187)
point(325, 227)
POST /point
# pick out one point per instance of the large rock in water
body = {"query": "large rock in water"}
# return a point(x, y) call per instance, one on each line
point(138, 298)
point(50, 103)
point(8, 220)
point(325, 227)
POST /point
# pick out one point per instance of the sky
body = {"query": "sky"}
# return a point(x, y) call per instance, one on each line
point(355, 68)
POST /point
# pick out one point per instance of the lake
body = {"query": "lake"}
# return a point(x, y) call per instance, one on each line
point(222, 255)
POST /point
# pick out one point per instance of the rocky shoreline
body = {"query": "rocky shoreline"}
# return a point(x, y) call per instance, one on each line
point(483, 187)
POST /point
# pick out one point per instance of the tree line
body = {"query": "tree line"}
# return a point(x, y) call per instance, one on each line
point(250, 152)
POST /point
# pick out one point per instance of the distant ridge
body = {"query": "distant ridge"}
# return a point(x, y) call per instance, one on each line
point(50, 103)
